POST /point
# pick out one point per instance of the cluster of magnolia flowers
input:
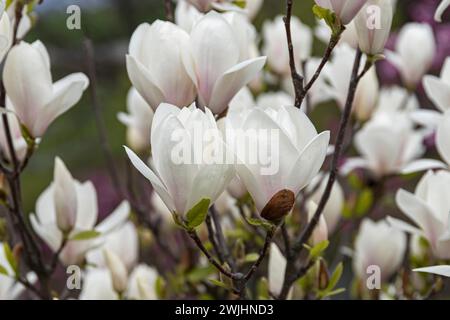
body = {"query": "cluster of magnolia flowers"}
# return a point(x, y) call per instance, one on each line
point(207, 72)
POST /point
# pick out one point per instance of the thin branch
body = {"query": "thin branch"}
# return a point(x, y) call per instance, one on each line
point(221, 238)
point(168, 7)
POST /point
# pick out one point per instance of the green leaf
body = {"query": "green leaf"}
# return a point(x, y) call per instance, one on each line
point(197, 214)
point(334, 292)
point(317, 250)
point(3, 270)
point(251, 257)
point(260, 223)
point(11, 259)
point(198, 274)
point(364, 202)
point(329, 17)
point(240, 3)
point(160, 287)
point(178, 221)
point(219, 283)
point(335, 277)
point(85, 235)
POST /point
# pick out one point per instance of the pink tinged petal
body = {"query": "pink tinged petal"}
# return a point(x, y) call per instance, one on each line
point(309, 162)
point(422, 165)
point(439, 270)
point(438, 92)
point(28, 81)
point(143, 81)
point(153, 178)
point(232, 81)
point(64, 197)
point(443, 138)
point(214, 51)
point(66, 93)
point(418, 211)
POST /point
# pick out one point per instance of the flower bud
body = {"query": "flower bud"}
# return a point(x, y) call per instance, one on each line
point(119, 273)
point(65, 197)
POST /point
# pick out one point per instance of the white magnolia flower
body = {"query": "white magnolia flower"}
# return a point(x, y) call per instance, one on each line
point(236, 188)
point(429, 209)
point(98, 285)
point(412, 61)
point(179, 178)
point(335, 204)
point(216, 61)
point(439, 270)
point(81, 200)
point(117, 269)
point(276, 48)
point(320, 233)
point(372, 37)
point(138, 121)
point(271, 99)
point(345, 10)
point(123, 241)
point(25, 23)
point(438, 89)
point(291, 151)
point(276, 270)
point(142, 282)
point(19, 143)
point(388, 144)
point(338, 74)
point(28, 82)
point(161, 209)
point(350, 37)
point(442, 138)
point(155, 66)
point(378, 244)
point(441, 9)
point(186, 15)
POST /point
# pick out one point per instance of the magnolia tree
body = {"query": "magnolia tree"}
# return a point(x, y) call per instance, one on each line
point(233, 191)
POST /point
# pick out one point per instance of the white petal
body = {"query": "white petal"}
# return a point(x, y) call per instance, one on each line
point(438, 91)
point(439, 270)
point(422, 165)
point(276, 269)
point(443, 138)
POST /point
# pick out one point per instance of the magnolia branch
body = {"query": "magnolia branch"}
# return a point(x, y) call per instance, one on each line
point(291, 275)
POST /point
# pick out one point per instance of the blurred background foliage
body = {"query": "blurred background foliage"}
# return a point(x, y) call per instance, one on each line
point(109, 23)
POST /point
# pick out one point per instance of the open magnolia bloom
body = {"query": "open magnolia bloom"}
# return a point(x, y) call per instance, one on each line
point(276, 48)
point(438, 89)
point(184, 145)
point(155, 65)
point(138, 121)
point(441, 9)
point(28, 82)
point(429, 209)
point(289, 153)
point(68, 209)
point(98, 284)
point(411, 62)
point(439, 270)
point(251, 6)
point(388, 144)
point(378, 245)
point(217, 63)
point(345, 10)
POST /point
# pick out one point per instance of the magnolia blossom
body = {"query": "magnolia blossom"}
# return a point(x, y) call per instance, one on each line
point(320, 233)
point(413, 62)
point(378, 244)
point(438, 89)
point(293, 156)
point(216, 61)
point(345, 10)
point(36, 100)
point(182, 182)
point(19, 143)
point(67, 208)
point(442, 138)
point(155, 66)
point(333, 209)
point(388, 144)
point(373, 27)
point(429, 209)
point(441, 9)
point(276, 270)
point(117, 269)
point(98, 284)
point(25, 23)
point(338, 74)
point(138, 121)
point(349, 36)
point(276, 48)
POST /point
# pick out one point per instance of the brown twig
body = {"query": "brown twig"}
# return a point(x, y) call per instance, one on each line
point(168, 7)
